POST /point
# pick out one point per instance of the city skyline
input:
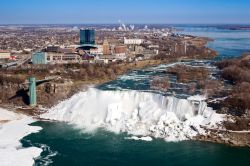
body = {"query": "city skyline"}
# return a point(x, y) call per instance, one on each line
point(128, 11)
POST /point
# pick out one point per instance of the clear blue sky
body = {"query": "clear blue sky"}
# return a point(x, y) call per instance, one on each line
point(129, 11)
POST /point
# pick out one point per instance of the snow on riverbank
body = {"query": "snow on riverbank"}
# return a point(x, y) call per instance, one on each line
point(13, 127)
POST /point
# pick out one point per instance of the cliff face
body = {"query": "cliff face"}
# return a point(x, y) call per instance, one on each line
point(51, 93)
point(10, 91)
point(71, 79)
point(48, 94)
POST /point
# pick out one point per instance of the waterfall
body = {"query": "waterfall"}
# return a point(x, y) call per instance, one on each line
point(137, 113)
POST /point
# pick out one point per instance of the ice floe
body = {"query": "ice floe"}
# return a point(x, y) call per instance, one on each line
point(13, 127)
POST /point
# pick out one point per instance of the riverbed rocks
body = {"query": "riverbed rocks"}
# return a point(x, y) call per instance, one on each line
point(161, 84)
point(228, 137)
point(186, 74)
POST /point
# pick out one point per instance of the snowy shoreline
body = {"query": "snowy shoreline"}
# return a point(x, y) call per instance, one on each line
point(14, 127)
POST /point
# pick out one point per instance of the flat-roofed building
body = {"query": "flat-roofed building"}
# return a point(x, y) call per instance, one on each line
point(39, 58)
point(68, 50)
point(5, 54)
point(149, 53)
point(53, 48)
point(102, 61)
point(97, 51)
point(153, 46)
point(60, 58)
point(120, 50)
point(133, 41)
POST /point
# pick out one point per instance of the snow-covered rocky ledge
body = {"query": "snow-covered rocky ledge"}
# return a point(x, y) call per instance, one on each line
point(13, 127)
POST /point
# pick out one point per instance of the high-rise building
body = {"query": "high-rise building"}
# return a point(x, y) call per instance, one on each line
point(106, 48)
point(87, 36)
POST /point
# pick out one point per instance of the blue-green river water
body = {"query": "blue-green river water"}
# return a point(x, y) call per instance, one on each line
point(66, 145)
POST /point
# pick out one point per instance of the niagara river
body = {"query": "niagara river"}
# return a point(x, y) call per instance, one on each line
point(124, 122)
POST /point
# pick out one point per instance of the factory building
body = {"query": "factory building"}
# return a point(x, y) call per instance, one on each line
point(39, 58)
point(87, 36)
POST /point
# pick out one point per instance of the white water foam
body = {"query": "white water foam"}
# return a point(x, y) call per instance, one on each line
point(139, 138)
point(47, 160)
point(137, 113)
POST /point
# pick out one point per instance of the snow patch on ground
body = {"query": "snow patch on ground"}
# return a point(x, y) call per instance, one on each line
point(13, 127)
